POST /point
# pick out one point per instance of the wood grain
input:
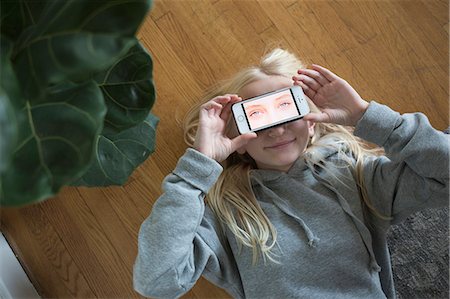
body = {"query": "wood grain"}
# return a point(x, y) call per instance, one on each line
point(83, 242)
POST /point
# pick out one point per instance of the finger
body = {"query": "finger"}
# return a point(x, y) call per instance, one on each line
point(231, 95)
point(226, 111)
point(317, 117)
point(212, 108)
point(325, 72)
point(203, 114)
point(211, 112)
point(220, 100)
point(311, 82)
point(235, 98)
point(209, 105)
point(315, 75)
point(242, 140)
point(206, 115)
point(226, 98)
point(308, 91)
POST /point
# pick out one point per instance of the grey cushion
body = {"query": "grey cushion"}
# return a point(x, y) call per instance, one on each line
point(419, 251)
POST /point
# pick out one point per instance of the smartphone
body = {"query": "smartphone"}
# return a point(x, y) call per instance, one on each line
point(270, 109)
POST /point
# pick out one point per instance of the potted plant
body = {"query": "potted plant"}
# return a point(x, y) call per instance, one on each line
point(76, 89)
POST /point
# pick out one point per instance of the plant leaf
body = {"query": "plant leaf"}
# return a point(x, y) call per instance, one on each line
point(16, 15)
point(8, 78)
point(56, 143)
point(75, 38)
point(8, 130)
point(128, 88)
point(121, 17)
point(118, 154)
point(9, 96)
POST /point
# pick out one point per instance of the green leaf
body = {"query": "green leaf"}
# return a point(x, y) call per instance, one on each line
point(8, 130)
point(57, 138)
point(128, 89)
point(75, 38)
point(8, 78)
point(118, 154)
point(121, 17)
point(16, 15)
point(9, 97)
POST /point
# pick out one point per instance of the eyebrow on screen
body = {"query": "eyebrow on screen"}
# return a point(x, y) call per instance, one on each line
point(254, 107)
point(282, 97)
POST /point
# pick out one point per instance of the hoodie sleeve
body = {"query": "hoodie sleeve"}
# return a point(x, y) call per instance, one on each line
point(180, 241)
point(414, 174)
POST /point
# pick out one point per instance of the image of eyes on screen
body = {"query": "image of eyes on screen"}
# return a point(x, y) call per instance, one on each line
point(270, 109)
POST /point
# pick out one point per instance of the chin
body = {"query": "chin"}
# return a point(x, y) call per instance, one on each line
point(284, 163)
point(280, 161)
point(288, 158)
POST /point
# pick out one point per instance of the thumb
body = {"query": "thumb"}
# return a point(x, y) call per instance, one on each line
point(317, 117)
point(242, 140)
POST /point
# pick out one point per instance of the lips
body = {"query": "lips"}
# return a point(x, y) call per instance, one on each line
point(281, 144)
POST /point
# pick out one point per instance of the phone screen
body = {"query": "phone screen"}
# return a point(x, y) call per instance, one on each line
point(270, 109)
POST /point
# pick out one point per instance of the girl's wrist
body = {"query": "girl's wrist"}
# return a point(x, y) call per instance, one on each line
point(206, 153)
point(360, 110)
point(203, 152)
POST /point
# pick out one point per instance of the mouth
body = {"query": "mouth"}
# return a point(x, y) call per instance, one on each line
point(281, 145)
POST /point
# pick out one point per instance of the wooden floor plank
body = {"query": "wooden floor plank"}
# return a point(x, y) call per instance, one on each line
point(439, 9)
point(82, 233)
point(110, 223)
point(254, 15)
point(418, 17)
point(298, 39)
point(46, 251)
point(191, 47)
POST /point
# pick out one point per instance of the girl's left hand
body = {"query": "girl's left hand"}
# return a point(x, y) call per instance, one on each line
point(338, 101)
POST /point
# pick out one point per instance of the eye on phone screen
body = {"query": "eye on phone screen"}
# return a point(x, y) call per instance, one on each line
point(270, 110)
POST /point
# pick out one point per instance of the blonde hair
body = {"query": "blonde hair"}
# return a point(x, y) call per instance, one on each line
point(232, 198)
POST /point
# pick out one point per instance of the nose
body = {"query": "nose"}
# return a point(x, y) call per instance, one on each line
point(277, 131)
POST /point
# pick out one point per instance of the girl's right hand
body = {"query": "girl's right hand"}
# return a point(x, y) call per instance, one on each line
point(210, 139)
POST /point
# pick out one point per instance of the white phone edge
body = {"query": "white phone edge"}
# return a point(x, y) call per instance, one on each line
point(240, 118)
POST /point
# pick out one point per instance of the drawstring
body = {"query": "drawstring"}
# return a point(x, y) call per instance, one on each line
point(362, 229)
point(312, 239)
point(374, 265)
point(285, 207)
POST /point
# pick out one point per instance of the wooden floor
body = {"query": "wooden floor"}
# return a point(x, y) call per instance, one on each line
point(82, 243)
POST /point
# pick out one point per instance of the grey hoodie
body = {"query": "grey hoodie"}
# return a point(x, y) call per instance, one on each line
point(328, 247)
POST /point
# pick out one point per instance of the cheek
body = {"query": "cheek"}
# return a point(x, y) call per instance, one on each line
point(252, 145)
point(302, 130)
point(299, 126)
point(253, 148)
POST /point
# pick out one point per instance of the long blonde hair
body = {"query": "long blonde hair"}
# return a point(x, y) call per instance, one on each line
point(232, 198)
